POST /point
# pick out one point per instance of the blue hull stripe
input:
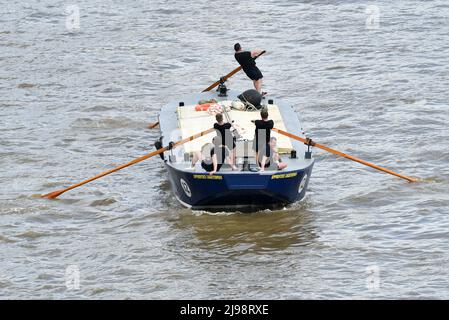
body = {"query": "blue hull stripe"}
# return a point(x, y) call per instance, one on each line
point(200, 190)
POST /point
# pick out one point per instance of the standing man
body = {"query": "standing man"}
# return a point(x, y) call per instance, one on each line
point(262, 133)
point(248, 63)
point(227, 139)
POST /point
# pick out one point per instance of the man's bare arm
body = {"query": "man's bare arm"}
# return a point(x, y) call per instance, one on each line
point(255, 53)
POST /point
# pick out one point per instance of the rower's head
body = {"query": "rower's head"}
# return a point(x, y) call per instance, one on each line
point(219, 117)
point(264, 114)
point(237, 47)
point(273, 142)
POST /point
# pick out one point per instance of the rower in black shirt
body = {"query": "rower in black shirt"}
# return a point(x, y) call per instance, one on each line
point(227, 139)
point(262, 133)
point(246, 60)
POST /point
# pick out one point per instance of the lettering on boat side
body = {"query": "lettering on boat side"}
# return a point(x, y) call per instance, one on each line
point(207, 177)
point(284, 175)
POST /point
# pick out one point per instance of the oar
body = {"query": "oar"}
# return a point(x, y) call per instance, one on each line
point(230, 74)
point(344, 155)
point(153, 125)
point(213, 85)
point(56, 193)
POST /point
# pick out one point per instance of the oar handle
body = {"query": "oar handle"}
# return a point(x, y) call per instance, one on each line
point(55, 194)
point(308, 141)
point(225, 78)
point(153, 125)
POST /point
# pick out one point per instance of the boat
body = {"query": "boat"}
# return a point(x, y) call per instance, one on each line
point(246, 188)
point(231, 188)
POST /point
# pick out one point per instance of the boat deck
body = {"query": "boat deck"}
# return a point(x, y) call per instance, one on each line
point(192, 121)
point(173, 128)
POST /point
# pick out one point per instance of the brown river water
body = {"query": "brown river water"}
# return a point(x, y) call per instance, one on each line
point(78, 91)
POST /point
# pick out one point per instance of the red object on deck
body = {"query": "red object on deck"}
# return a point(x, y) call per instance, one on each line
point(203, 107)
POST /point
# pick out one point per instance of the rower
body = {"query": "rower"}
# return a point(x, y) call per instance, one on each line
point(262, 134)
point(224, 132)
point(247, 60)
point(212, 156)
point(269, 157)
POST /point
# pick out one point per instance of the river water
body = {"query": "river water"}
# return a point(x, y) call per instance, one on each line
point(76, 96)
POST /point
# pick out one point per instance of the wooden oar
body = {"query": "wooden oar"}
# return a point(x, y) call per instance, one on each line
point(344, 155)
point(213, 85)
point(230, 74)
point(153, 125)
point(56, 193)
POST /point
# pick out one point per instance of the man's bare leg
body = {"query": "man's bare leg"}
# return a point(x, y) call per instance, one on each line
point(233, 159)
point(196, 157)
point(258, 85)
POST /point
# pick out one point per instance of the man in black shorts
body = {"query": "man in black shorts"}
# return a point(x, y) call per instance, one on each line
point(246, 60)
point(216, 155)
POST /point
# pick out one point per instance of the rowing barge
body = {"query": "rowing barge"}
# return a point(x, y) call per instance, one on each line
point(246, 188)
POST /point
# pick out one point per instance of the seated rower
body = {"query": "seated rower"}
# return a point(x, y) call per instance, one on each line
point(213, 159)
point(269, 157)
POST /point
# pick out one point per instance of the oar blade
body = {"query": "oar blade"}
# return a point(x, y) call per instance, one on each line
point(153, 125)
point(344, 155)
point(56, 193)
point(53, 195)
